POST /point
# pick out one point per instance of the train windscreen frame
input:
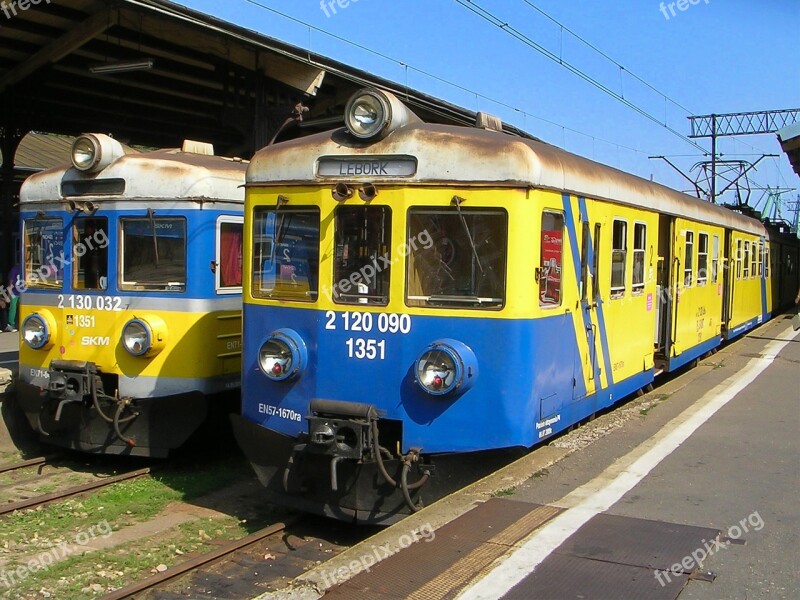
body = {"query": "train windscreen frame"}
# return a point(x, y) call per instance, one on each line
point(44, 252)
point(456, 258)
point(362, 255)
point(286, 253)
point(153, 254)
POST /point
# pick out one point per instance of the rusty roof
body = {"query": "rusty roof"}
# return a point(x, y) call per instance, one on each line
point(451, 155)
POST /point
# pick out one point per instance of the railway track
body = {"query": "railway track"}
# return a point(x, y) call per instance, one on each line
point(204, 560)
point(45, 499)
point(33, 462)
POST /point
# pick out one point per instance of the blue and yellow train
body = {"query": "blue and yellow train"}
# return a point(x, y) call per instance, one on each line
point(131, 307)
point(420, 299)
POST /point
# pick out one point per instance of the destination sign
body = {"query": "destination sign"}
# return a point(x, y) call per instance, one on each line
point(396, 166)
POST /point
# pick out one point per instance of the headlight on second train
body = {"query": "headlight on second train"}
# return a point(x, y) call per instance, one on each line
point(37, 331)
point(144, 336)
point(283, 355)
point(446, 366)
point(93, 152)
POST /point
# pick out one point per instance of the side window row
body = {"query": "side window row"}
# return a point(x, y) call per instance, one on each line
point(703, 251)
point(752, 259)
point(619, 257)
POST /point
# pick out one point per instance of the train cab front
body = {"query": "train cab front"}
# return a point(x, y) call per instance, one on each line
point(346, 465)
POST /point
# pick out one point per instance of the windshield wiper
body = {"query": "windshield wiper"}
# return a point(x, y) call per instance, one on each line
point(457, 200)
point(150, 215)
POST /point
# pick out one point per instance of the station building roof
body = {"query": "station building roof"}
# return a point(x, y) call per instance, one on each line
point(191, 76)
point(789, 137)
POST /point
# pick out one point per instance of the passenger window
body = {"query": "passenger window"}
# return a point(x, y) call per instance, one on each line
point(585, 261)
point(596, 265)
point(715, 260)
point(688, 261)
point(746, 273)
point(552, 250)
point(738, 259)
point(702, 259)
point(754, 261)
point(619, 251)
point(229, 255)
point(362, 254)
point(766, 262)
point(639, 246)
point(90, 252)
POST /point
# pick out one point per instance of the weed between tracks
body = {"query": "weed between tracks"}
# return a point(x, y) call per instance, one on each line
point(28, 533)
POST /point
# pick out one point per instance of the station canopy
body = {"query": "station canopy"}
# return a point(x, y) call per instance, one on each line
point(154, 73)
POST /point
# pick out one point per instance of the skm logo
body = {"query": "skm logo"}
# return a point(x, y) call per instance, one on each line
point(88, 340)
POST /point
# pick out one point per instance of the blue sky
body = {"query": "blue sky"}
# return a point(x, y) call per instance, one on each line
point(715, 56)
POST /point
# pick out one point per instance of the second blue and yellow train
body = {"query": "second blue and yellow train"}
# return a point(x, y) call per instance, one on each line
point(131, 303)
point(421, 298)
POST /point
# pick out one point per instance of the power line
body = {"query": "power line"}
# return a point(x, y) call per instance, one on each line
point(606, 56)
point(515, 33)
point(437, 77)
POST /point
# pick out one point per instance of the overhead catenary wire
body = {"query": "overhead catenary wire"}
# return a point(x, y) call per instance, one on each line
point(622, 68)
point(407, 67)
point(488, 16)
point(607, 57)
point(524, 113)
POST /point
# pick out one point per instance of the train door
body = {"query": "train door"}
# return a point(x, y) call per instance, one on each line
point(665, 286)
point(589, 300)
point(228, 263)
point(728, 277)
point(227, 266)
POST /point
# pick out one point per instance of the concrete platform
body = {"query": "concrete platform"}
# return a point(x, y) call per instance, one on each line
point(713, 450)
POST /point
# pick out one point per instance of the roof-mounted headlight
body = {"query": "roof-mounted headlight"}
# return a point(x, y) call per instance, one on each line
point(93, 152)
point(373, 114)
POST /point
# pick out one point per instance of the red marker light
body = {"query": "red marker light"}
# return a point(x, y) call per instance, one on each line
point(438, 382)
point(276, 369)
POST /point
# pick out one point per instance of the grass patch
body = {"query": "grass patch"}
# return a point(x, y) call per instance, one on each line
point(509, 491)
point(124, 503)
point(96, 573)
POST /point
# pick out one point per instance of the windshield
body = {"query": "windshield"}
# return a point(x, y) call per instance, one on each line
point(457, 258)
point(153, 254)
point(90, 253)
point(44, 253)
point(286, 253)
point(362, 260)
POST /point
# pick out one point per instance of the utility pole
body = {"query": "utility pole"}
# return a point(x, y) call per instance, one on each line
point(741, 123)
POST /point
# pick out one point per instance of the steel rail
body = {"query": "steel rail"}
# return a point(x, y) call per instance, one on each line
point(39, 460)
point(73, 491)
point(190, 565)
